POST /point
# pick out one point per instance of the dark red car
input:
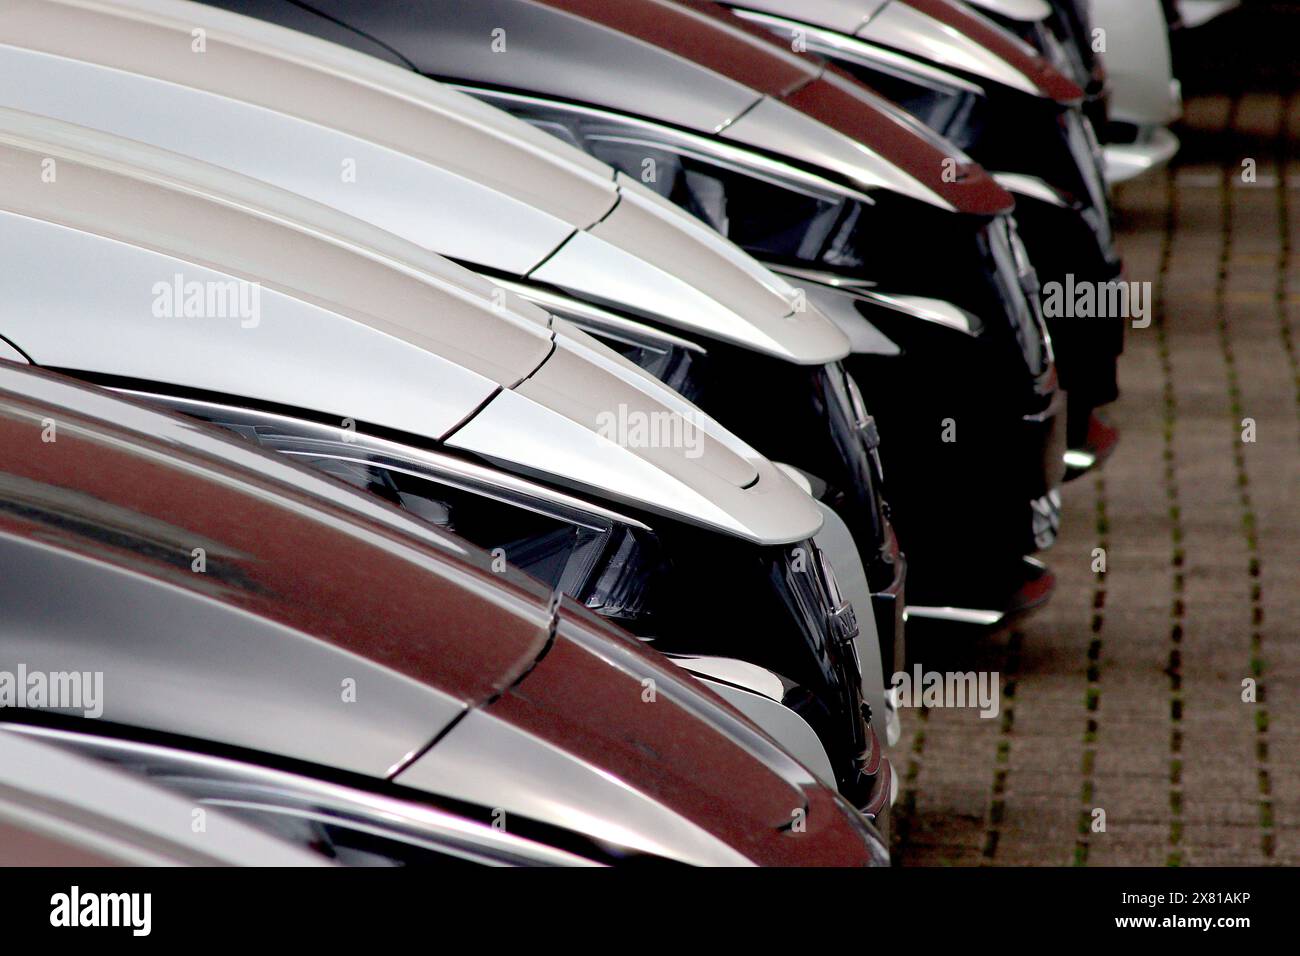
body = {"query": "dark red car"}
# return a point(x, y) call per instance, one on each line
point(259, 635)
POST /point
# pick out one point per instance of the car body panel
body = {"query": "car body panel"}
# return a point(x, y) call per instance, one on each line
point(314, 442)
point(940, 32)
point(450, 39)
point(1154, 149)
point(713, 483)
point(61, 809)
point(371, 137)
point(937, 165)
point(1028, 11)
point(1139, 64)
point(250, 650)
point(1197, 13)
point(643, 248)
point(820, 38)
point(639, 720)
point(720, 43)
point(956, 38)
point(741, 466)
point(127, 104)
point(758, 694)
point(326, 816)
point(354, 323)
point(314, 295)
point(544, 60)
point(248, 60)
point(868, 143)
point(843, 16)
point(183, 647)
point(182, 432)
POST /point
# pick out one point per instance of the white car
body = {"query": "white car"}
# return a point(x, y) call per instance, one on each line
point(1131, 40)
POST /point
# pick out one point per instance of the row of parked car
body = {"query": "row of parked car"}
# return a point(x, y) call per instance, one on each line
point(516, 431)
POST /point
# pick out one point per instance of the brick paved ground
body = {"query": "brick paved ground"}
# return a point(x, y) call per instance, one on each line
point(1125, 693)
